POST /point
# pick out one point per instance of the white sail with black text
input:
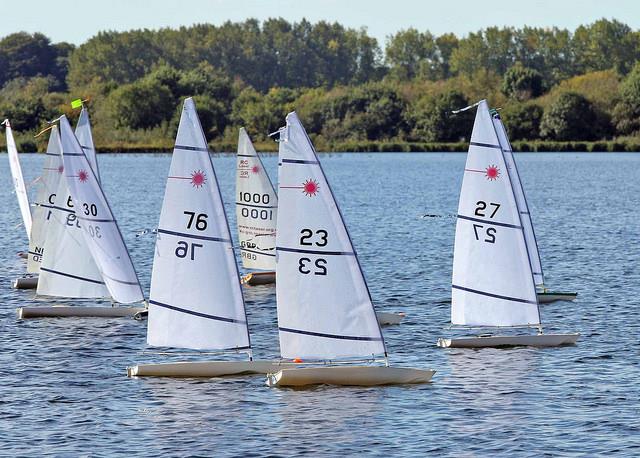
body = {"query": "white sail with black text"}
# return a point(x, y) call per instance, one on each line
point(543, 294)
point(196, 299)
point(18, 180)
point(85, 137)
point(325, 311)
point(47, 186)
point(99, 225)
point(256, 213)
point(492, 284)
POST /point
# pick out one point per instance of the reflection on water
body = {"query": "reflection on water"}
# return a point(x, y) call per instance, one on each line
point(64, 390)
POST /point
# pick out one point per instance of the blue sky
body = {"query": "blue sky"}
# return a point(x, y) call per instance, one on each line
point(77, 20)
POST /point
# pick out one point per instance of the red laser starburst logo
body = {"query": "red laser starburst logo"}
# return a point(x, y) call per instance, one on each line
point(198, 179)
point(255, 169)
point(60, 168)
point(83, 176)
point(492, 173)
point(310, 187)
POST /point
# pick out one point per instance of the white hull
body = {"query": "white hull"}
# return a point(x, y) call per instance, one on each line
point(25, 283)
point(203, 368)
point(77, 311)
point(539, 340)
point(387, 318)
point(551, 296)
point(349, 375)
point(259, 278)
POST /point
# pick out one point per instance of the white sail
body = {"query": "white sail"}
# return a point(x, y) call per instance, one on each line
point(85, 137)
point(196, 300)
point(67, 269)
point(521, 201)
point(324, 307)
point(100, 228)
point(492, 280)
point(256, 208)
point(45, 197)
point(18, 180)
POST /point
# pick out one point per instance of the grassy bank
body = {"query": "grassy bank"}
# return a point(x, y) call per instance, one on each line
point(626, 145)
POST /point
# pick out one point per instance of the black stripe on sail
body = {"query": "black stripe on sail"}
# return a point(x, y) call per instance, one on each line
point(493, 223)
point(328, 253)
point(52, 154)
point(97, 220)
point(200, 314)
point(330, 336)
point(133, 283)
point(191, 148)
point(54, 207)
point(299, 161)
point(497, 296)
point(86, 147)
point(256, 206)
point(193, 236)
point(257, 252)
point(485, 145)
point(72, 276)
point(73, 154)
point(245, 155)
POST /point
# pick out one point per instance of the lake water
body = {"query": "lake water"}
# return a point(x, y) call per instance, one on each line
point(64, 390)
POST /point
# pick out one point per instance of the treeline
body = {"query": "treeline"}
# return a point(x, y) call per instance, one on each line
point(553, 84)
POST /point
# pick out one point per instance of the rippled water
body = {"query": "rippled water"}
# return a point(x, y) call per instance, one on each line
point(63, 388)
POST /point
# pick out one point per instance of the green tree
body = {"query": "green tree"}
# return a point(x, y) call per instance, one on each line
point(432, 120)
point(410, 52)
point(141, 105)
point(570, 117)
point(522, 83)
point(522, 120)
point(626, 114)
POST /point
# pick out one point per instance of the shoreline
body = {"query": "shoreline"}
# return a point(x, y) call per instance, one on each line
point(604, 146)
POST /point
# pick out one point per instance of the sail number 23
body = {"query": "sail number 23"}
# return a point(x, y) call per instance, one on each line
point(309, 238)
point(489, 235)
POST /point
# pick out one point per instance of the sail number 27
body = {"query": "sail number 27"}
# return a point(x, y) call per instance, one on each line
point(489, 235)
point(309, 238)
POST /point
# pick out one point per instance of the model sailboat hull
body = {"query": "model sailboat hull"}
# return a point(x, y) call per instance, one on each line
point(553, 296)
point(59, 311)
point(539, 340)
point(203, 368)
point(25, 283)
point(349, 376)
point(259, 278)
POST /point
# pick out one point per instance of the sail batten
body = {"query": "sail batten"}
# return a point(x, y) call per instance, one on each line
point(195, 300)
point(324, 306)
point(492, 282)
point(256, 208)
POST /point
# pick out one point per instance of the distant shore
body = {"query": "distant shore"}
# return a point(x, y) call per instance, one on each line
point(401, 147)
point(604, 146)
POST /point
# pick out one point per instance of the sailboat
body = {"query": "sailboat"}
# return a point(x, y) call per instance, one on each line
point(256, 214)
point(493, 283)
point(325, 312)
point(544, 294)
point(85, 254)
point(196, 298)
point(18, 180)
point(47, 185)
point(46, 192)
